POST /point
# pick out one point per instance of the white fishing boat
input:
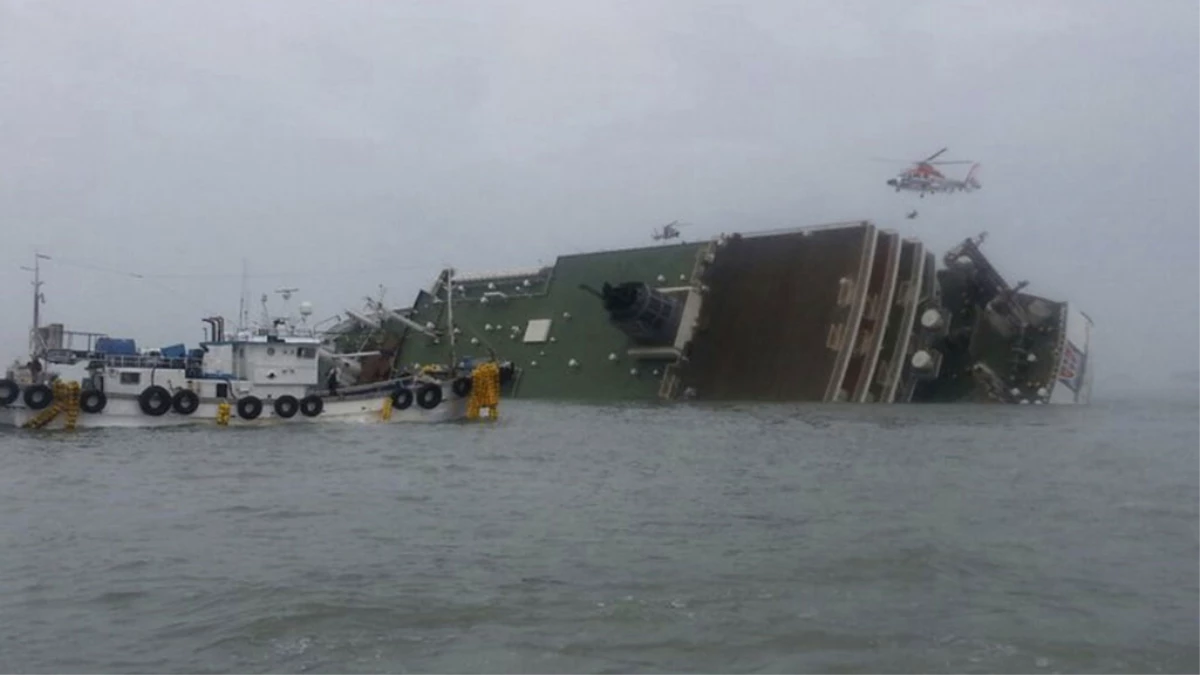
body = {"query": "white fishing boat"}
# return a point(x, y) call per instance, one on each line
point(274, 373)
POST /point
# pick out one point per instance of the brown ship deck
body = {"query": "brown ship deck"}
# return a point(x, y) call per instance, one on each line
point(789, 308)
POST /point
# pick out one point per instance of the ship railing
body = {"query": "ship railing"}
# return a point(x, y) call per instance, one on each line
point(148, 361)
point(839, 225)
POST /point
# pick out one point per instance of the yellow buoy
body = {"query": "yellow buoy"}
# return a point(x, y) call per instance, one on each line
point(485, 391)
point(223, 413)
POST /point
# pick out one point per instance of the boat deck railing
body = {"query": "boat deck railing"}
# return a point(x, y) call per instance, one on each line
point(147, 361)
point(70, 356)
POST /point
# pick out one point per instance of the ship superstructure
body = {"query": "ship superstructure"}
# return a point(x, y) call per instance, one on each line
point(844, 312)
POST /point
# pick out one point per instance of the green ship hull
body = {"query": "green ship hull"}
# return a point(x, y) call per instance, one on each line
point(835, 313)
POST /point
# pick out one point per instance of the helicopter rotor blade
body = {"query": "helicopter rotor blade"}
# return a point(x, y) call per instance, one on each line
point(935, 155)
point(953, 161)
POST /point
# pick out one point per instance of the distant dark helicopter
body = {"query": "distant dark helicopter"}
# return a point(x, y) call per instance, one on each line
point(912, 214)
point(668, 231)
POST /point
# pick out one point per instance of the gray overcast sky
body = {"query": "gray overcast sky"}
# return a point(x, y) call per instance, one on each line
point(340, 145)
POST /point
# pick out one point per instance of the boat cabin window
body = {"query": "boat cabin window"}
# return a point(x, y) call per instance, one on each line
point(131, 378)
point(306, 352)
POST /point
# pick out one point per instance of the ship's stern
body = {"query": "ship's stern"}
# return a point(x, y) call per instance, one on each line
point(1073, 377)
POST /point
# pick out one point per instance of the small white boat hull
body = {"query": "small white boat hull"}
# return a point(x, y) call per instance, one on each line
point(125, 412)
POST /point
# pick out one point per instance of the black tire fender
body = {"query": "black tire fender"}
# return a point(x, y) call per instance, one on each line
point(154, 400)
point(9, 392)
point(429, 396)
point(286, 406)
point(185, 402)
point(249, 407)
point(311, 405)
point(402, 398)
point(38, 397)
point(462, 387)
point(92, 401)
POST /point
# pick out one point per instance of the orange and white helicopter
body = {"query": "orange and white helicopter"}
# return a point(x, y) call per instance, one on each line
point(924, 178)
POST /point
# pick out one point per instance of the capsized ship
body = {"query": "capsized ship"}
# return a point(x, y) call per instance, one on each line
point(845, 312)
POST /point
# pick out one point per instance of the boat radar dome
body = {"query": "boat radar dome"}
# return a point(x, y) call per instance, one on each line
point(306, 308)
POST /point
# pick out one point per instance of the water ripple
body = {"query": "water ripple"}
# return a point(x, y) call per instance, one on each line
point(699, 538)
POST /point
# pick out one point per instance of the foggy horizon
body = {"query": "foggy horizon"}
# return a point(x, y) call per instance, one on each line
point(337, 147)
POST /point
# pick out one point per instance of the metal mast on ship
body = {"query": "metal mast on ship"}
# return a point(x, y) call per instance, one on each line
point(450, 317)
point(35, 338)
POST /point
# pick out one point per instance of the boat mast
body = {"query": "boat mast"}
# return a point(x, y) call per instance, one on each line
point(243, 311)
point(450, 314)
point(35, 340)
